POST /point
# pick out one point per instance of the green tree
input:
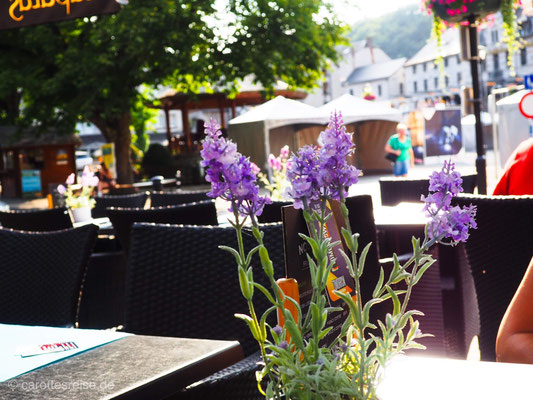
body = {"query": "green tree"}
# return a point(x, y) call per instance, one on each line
point(90, 69)
point(399, 34)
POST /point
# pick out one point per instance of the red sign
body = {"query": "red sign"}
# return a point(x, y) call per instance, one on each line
point(526, 105)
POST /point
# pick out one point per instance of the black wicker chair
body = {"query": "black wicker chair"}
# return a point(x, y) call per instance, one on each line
point(272, 212)
point(498, 253)
point(162, 199)
point(41, 275)
point(136, 200)
point(200, 213)
point(52, 219)
point(395, 190)
point(181, 284)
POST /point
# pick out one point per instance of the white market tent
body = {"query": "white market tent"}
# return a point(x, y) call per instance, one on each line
point(513, 127)
point(373, 124)
point(280, 121)
point(268, 127)
point(354, 109)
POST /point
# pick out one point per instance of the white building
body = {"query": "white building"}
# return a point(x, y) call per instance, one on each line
point(385, 79)
point(361, 53)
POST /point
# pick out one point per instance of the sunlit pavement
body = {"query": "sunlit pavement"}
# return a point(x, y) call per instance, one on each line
point(368, 184)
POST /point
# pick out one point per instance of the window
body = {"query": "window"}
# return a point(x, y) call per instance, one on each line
point(424, 67)
point(436, 82)
point(496, 61)
point(415, 86)
point(425, 85)
point(379, 90)
point(414, 69)
point(445, 61)
point(459, 78)
point(523, 56)
point(351, 92)
point(446, 81)
point(401, 88)
point(458, 60)
point(494, 35)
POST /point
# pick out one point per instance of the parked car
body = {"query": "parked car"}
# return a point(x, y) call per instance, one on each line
point(83, 159)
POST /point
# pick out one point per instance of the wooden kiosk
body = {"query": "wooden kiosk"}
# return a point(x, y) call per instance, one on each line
point(29, 162)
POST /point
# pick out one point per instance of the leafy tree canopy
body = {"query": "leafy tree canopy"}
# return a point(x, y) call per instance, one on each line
point(90, 69)
point(399, 34)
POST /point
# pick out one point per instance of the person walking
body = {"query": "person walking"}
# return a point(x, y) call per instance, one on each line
point(400, 144)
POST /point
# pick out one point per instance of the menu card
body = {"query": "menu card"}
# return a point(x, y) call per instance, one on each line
point(297, 265)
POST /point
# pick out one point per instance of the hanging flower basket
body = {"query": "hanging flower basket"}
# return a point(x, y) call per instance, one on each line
point(455, 11)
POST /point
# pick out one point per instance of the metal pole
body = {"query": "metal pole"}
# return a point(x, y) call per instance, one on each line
point(481, 162)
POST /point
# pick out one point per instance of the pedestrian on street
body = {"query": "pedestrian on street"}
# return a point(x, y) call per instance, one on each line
point(400, 144)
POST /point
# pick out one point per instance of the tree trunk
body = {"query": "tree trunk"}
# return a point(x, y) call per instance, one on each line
point(123, 150)
point(117, 131)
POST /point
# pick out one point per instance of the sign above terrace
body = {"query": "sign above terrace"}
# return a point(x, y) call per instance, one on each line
point(19, 13)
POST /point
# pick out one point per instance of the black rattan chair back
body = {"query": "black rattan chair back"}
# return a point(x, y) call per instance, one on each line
point(272, 212)
point(162, 199)
point(498, 253)
point(41, 275)
point(395, 190)
point(200, 213)
point(181, 284)
point(136, 200)
point(52, 219)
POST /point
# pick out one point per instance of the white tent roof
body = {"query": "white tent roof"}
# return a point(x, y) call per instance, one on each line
point(354, 109)
point(281, 111)
point(512, 99)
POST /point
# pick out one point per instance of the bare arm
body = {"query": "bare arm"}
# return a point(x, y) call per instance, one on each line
point(412, 156)
point(389, 149)
point(515, 336)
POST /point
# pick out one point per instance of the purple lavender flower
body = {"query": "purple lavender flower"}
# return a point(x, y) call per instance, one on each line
point(274, 162)
point(302, 173)
point(61, 189)
point(232, 176)
point(88, 178)
point(447, 221)
point(284, 152)
point(335, 173)
point(71, 179)
point(277, 330)
point(283, 345)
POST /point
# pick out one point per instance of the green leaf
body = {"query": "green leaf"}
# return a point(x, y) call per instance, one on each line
point(234, 252)
point(251, 324)
point(265, 291)
point(379, 285)
point(362, 259)
point(395, 300)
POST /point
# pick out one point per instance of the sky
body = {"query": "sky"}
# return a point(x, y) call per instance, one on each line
point(353, 10)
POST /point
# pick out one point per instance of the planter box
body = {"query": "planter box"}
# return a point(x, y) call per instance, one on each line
point(459, 10)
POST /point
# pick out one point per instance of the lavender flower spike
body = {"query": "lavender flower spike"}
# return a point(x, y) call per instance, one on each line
point(232, 176)
point(447, 221)
point(302, 173)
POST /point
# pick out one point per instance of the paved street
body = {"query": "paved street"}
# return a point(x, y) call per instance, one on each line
point(368, 184)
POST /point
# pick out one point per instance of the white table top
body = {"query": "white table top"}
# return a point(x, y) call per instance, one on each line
point(427, 378)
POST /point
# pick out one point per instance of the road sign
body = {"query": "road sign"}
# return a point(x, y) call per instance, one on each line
point(528, 81)
point(526, 105)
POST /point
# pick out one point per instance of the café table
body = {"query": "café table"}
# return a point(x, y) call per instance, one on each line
point(129, 367)
point(428, 378)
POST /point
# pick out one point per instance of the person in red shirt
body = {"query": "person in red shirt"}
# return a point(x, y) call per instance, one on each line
point(517, 178)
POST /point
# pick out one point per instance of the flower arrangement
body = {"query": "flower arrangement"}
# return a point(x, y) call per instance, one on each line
point(279, 184)
point(296, 363)
point(450, 12)
point(79, 195)
point(367, 93)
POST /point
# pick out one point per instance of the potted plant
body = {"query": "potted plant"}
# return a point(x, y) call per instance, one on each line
point(297, 364)
point(451, 12)
point(78, 197)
